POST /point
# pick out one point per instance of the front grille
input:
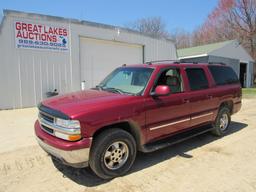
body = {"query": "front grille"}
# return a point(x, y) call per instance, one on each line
point(47, 129)
point(46, 117)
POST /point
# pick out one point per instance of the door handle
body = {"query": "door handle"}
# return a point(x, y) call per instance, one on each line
point(185, 100)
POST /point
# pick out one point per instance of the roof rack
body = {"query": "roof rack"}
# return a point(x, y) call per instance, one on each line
point(161, 61)
point(195, 62)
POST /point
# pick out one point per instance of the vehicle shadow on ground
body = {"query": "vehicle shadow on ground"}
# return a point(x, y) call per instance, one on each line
point(144, 160)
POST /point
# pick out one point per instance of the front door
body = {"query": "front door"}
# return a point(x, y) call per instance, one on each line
point(167, 114)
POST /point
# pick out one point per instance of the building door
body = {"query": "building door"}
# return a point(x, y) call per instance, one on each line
point(99, 57)
point(243, 74)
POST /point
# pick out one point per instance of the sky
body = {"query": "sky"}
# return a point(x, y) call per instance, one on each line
point(177, 14)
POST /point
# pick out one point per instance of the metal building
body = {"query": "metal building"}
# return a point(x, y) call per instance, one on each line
point(41, 53)
point(228, 52)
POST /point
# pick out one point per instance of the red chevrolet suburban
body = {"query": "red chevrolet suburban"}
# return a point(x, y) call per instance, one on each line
point(141, 107)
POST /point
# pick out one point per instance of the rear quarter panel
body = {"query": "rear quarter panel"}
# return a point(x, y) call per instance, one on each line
point(225, 93)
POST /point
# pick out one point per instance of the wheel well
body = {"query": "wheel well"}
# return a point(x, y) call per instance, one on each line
point(228, 104)
point(129, 127)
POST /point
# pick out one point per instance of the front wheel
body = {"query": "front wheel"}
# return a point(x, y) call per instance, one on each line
point(113, 153)
point(221, 124)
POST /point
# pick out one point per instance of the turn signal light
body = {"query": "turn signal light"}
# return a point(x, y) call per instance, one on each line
point(74, 137)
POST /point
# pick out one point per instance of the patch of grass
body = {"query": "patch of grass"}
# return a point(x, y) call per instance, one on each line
point(249, 92)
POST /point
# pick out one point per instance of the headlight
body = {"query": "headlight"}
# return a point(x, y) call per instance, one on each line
point(70, 124)
point(71, 129)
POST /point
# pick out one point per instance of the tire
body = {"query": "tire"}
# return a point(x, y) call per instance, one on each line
point(222, 122)
point(113, 153)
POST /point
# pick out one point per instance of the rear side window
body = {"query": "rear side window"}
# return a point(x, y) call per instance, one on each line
point(223, 75)
point(197, 79)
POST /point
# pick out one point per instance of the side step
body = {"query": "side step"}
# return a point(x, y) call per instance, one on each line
point(177, 138)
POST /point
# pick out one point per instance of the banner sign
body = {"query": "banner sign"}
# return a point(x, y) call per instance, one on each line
point(39, 36)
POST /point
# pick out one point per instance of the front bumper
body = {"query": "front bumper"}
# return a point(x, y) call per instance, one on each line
point(75, 154)
point(75, 158)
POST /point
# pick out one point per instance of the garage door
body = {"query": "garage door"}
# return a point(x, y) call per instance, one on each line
point(99, 57)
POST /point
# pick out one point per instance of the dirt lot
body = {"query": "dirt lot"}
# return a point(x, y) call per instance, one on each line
point(204, 163)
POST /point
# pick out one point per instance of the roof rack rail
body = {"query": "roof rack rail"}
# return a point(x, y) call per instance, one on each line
point(195, 62)
point(161, 61)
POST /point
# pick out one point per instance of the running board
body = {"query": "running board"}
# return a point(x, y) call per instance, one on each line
point(175, 139)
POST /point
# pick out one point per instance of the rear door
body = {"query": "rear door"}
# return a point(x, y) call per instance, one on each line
point(201, 100)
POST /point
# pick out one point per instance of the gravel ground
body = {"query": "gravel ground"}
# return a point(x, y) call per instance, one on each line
point(204, 163)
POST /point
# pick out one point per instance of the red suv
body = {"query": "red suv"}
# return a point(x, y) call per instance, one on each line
point(141, 107)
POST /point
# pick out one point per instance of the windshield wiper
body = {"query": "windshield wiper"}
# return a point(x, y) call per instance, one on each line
point(116, 90)
point(112, 89)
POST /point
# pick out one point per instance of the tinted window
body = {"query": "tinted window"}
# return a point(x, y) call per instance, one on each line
point(197, 79)
point(223, 75)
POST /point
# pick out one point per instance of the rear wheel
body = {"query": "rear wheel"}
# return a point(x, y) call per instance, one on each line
point(113, 153)
point(222, 122)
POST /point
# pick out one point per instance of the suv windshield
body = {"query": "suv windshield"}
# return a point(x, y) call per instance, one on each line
point(130, 80)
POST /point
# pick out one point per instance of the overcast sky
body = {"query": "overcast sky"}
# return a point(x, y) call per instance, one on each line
point(186, 14)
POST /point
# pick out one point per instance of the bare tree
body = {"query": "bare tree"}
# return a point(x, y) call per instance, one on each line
point(231, 19)
point(182, 38)
point(242, 19)
point(153, 26)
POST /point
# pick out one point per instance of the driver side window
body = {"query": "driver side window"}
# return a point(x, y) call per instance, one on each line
point(171, 78)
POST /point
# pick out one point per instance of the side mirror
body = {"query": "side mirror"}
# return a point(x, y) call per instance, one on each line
point(161, 90)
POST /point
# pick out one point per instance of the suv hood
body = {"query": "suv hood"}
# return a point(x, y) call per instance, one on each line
point(76, 103)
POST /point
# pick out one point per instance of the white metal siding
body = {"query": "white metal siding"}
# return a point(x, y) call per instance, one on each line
point(26, 74)
point(249, 78)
